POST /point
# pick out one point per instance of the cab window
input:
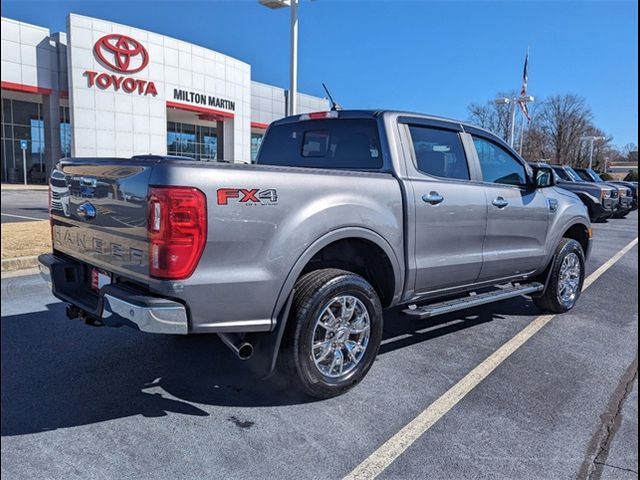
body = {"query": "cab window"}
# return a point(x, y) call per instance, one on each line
point(562, 174)
point(326, 143)
point(498, 165)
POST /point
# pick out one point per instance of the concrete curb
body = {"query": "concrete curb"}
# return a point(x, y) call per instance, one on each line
point(12, 187)
point(19, 263)
point(20, 273)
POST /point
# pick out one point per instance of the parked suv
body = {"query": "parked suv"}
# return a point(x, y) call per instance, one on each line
point(627, 193)
point(600, 200)
point(344, 214)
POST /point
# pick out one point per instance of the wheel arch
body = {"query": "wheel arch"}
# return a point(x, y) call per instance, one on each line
point(579, 232)
point(355, 236)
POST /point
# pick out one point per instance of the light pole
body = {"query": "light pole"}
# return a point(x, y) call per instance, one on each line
point(293, 65)
point(590, 139)
point(512, 105)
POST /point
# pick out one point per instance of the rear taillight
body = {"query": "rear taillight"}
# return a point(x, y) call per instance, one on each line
point(177, 230)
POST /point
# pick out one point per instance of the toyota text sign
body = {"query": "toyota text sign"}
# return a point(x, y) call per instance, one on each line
point(123, 55)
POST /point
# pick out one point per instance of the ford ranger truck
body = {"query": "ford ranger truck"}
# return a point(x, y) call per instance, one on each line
point(292, 260)
point(601, 200)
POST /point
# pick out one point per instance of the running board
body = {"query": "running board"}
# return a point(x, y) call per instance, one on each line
point(473, 300)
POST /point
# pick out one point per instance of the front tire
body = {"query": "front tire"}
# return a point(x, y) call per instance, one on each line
point(566, 279)
point(334, 332)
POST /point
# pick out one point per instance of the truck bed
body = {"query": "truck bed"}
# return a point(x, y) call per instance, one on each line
point(260, 220)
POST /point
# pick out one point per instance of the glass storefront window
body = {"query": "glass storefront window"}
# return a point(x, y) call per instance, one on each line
point(256, 140)
point(37, 137)
point(209, 147)
point(65, 132)
point(22, 121)
point(196, 141)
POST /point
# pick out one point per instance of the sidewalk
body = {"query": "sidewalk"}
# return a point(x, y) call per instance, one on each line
point(19, 186)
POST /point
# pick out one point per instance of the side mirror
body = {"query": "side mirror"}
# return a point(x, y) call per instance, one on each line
point(543, 177)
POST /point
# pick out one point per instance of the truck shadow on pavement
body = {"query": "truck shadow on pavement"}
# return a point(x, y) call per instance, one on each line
point(58, 373)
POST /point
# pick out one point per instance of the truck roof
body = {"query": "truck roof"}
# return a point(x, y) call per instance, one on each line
point(373, 113)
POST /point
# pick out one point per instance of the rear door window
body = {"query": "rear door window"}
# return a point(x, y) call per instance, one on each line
point(439, 152)
point(351, 144)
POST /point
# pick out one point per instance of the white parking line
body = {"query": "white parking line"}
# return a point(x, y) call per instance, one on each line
point(21, 216)
point(379, 460)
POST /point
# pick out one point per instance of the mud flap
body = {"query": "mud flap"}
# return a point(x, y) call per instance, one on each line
point(267, 346)
point(544, 278)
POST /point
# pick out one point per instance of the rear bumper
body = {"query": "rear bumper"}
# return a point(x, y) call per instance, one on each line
point(115, 305)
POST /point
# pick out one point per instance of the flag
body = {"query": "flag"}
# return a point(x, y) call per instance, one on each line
point(525, 84)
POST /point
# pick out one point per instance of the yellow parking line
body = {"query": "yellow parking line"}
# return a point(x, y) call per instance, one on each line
point(379, 460)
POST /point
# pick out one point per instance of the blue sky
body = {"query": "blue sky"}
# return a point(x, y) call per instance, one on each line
point(434, 57)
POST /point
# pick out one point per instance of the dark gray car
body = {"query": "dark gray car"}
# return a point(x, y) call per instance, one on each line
point(600, 200)
point(627, 193)
point(344, 214)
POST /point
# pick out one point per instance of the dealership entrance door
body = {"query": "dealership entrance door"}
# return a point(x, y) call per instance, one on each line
point(194, 135)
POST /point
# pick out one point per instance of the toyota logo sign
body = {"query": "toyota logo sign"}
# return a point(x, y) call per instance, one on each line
point(121, 53)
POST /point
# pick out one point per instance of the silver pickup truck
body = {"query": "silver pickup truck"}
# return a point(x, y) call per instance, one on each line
point(294, 258)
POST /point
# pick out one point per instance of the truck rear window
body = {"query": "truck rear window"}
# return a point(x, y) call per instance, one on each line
point(351, 144)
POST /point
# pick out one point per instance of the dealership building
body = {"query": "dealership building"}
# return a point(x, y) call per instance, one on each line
point(108, 90)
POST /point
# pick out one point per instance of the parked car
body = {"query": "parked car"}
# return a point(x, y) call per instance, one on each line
point(627, 192)
point(344, 214)
point(601, 200)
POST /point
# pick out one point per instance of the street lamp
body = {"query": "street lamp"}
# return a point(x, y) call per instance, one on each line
point(591, 139)
point(512, 104)
point(293, 74)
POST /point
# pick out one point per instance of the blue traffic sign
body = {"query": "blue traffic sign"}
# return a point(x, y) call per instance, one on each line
point(24, 144)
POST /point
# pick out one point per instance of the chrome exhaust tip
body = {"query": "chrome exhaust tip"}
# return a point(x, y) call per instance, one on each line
point(242, 348)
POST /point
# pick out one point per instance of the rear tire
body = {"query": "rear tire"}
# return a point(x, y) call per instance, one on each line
point(333, 334)
point(566, 279)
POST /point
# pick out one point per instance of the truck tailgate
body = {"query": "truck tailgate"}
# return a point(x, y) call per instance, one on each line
point(99, 213)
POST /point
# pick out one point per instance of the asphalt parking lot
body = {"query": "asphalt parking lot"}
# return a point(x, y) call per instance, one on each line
point(24, 205)
point(84, 402)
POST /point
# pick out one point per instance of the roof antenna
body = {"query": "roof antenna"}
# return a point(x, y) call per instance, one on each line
point(334, 105)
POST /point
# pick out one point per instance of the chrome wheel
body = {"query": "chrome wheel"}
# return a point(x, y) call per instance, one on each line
point(340, 336)
point(569, 280)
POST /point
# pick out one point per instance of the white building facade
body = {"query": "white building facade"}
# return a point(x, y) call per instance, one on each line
point(108, 90)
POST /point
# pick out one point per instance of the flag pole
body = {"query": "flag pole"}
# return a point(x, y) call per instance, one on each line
point(521, 133)
point(525, 79)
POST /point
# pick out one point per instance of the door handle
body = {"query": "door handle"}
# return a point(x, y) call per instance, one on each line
point(434, 198)
point(500, 202)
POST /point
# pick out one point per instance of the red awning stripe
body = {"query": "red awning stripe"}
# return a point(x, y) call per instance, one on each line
point(199, 109)
point(18, 87)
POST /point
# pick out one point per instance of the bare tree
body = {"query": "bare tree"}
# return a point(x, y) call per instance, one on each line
point(564, 119)
point(602, 149)
point(630, 152)
point(493, 116)
point(554, 132)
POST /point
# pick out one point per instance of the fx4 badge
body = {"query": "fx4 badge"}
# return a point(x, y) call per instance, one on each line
point(248, 196)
